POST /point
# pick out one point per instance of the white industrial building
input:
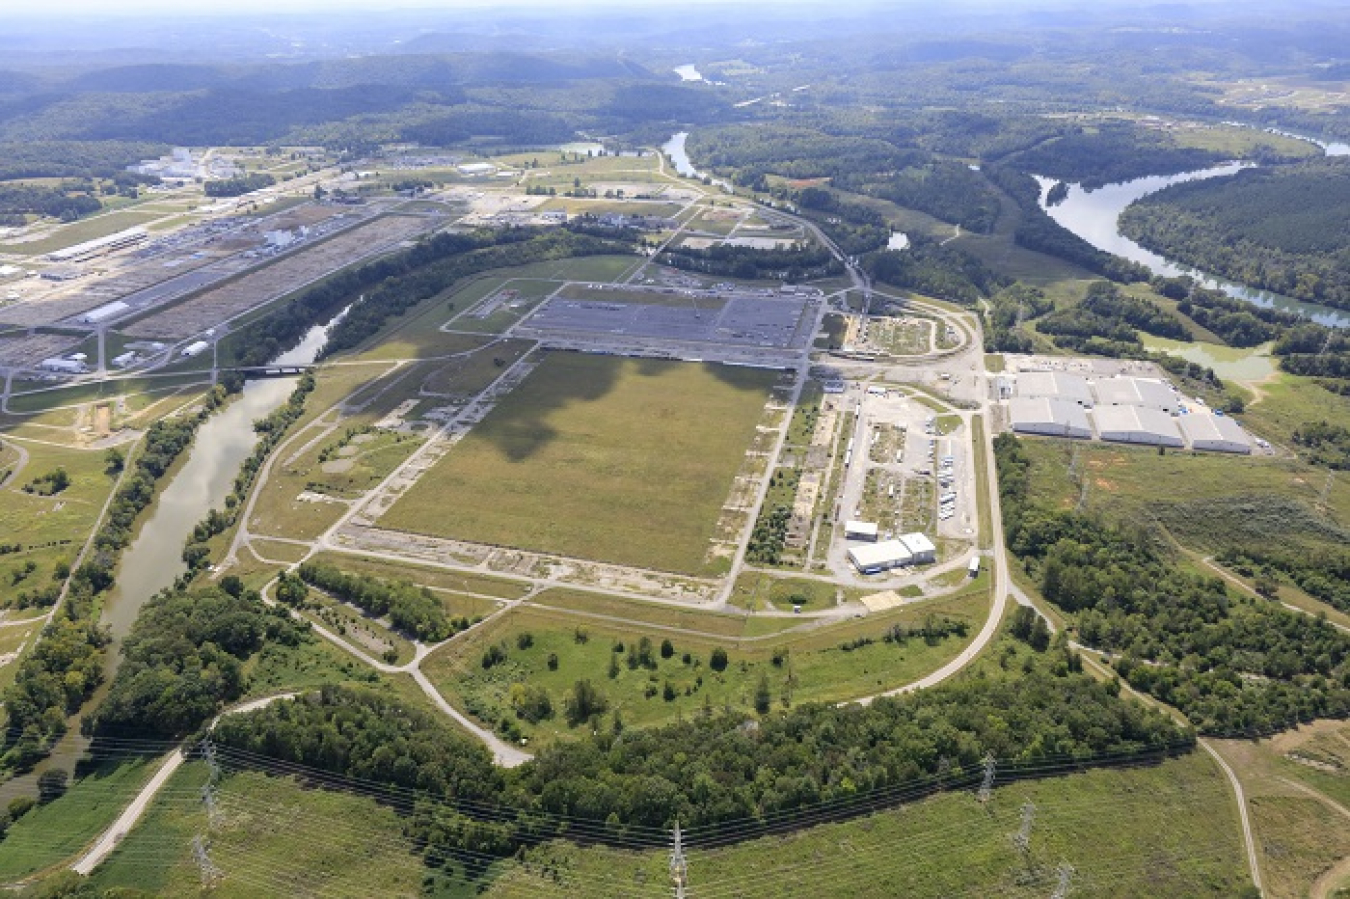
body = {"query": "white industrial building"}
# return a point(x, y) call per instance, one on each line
point(476, 168)
point(126, 359)
point(873, 558)
point(860, 530)
point(103, 313)
point(1214, 434)
point(64, 366)
point(1048, 417)
point(1055, 385)
point(1124, 391)
point(97, 247)
point(195, 348)
point(1136, 424)
point(921, 549)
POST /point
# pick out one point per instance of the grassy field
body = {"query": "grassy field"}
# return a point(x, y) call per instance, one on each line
point(276, 837)
point(56, 831)
point(759, 590)
point(1205, 501)
point(812, 665)
point(59, 522)
point(1294, 783)
point(559, 467)
point(1167, 830)
point(1289, 402)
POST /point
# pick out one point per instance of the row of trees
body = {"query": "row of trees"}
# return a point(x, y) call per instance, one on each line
point(238, 185)
point(270, 431)
point(927, 267)
point(413, 610)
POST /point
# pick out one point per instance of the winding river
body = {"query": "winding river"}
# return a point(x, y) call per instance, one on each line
point(154, 559)
point(1093, 216)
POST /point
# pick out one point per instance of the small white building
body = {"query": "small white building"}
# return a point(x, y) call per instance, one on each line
point(1055, 385)
point(195, 348)
point(63, 366)
point(861, 530)
point(1125, 391)
point(1136, 424)
point(476, 168)
point(1214, 434)
point(1048, 417)
point(921, 549)
point(874, 558)
point(126, 359)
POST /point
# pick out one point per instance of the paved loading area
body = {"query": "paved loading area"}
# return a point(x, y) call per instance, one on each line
point(781, 322)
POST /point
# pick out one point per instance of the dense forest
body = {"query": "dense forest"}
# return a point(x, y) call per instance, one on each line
point(1230, 663)
point(929, 268)
point(1110, 152)
point(184, 659)
point(1277, 228)
point(414, 611)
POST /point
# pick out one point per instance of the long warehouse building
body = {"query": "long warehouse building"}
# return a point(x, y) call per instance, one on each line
point(1214, 434)
point(1123, 391)
point(1055, 385)
point(1136, 424)
point(1048, 417)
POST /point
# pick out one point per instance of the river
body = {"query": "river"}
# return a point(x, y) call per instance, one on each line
point(674, 148)
point(154, 559)
point(1094, 216)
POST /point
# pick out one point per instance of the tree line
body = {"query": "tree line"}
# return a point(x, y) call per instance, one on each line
point(413, 610)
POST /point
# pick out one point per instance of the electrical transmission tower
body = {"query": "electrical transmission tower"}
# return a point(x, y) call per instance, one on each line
point(1066, 873)
point(987, 785)
point(679, 867)
point(209, 788)
point(1022, 839)
point(211, 875)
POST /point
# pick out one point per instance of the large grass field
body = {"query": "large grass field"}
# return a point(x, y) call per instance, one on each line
point(1206, 501)
point(616, 460)
point(56, 831)
point(275, 837)
point(551, 648)
point(1166, 830)
point(1294, 782)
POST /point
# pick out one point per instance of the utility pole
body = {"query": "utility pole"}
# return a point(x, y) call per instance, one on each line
point(987, 785)
point(679, 867)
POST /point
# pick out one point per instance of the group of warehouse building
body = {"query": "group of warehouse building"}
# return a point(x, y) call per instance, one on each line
point(1119, 409)
point(873, 556)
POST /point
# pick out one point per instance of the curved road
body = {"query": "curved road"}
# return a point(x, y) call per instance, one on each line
point(132, 813)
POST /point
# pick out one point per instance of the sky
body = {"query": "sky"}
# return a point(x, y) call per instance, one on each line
point(58, 8)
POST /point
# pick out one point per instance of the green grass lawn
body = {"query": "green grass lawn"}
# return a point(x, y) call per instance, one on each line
point(53, 833)
point(64, 519)
point(276, 837)
point(1167, 830)
point(603, 458)
point(812, 666)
